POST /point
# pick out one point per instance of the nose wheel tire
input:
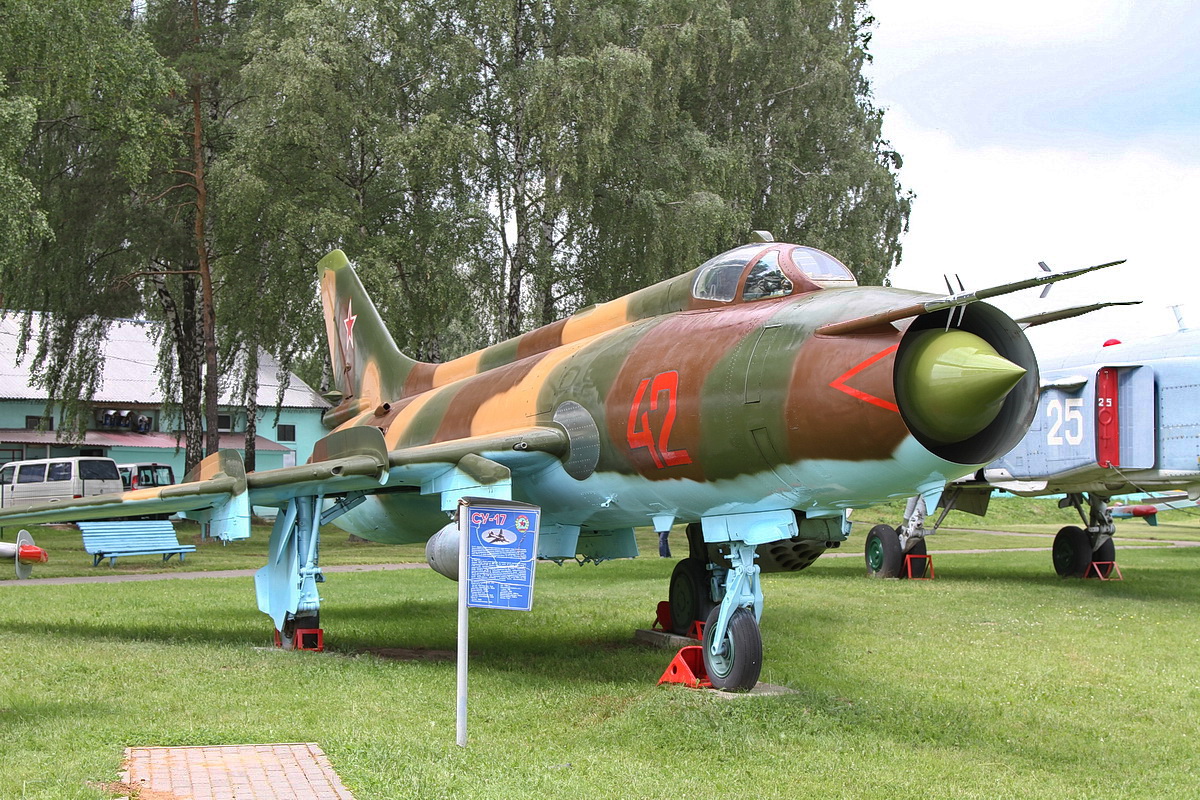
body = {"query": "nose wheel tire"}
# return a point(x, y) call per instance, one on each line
point(738, 662)
point(883, 554)
point(1072, 552)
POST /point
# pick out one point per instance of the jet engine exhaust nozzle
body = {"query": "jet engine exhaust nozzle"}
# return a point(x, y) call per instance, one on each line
point(952, 384)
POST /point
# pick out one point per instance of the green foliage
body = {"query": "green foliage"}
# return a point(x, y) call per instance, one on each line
point(79, 131)
point(488, 165)
point(349, 139)
point(630, 141)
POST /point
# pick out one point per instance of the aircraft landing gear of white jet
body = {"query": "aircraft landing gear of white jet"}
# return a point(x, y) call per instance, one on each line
point(1077, 549)
point(887, 547)
point(885, 553)
point(732, 640)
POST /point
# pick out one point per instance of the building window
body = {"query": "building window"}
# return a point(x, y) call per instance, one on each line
point(225, 423)
point(31, 423)
point(286, 433)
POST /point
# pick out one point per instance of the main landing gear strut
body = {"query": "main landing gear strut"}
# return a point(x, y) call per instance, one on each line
point(1086, 551)
point(287, 585)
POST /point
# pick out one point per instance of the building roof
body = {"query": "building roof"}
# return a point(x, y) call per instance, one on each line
point(131, 370)
point(160, 441)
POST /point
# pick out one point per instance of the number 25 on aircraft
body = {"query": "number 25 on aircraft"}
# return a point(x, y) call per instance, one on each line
point(1068, 421)
point(639, 432)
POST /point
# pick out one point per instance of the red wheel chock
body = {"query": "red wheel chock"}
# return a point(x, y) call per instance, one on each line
point(1094, 571)
point(908, 559)
point(662, 622)
point(662, 617)
point(688, 668)
point(312, 639)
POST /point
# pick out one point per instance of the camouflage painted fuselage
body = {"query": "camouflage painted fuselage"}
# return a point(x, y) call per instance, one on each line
point(674, 406)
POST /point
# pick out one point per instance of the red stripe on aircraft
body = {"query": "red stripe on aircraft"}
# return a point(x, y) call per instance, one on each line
point(840, 384)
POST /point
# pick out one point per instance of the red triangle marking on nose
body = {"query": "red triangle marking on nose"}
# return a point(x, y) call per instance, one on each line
point(840, 384)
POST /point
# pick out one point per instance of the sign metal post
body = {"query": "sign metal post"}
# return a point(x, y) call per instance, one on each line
point(497, 557)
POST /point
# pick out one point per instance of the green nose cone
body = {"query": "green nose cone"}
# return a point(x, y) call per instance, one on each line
point(951, 384)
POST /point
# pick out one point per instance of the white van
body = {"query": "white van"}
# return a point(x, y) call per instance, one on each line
point(146, 475)
point(47, 480)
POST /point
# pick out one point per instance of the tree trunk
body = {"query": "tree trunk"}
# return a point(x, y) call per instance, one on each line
point(251, 400)
point(183, 327)
point(520, 257)
point(545, 254)
point(212, 441)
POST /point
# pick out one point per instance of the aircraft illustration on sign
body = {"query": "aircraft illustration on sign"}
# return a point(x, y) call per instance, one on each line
point(1119, 419)
point(755, 398)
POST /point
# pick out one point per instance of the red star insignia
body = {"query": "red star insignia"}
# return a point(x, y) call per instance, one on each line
point(350, 318)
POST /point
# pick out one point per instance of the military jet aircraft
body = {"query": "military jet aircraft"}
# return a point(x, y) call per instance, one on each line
point(1122, 418)
point(755, 398)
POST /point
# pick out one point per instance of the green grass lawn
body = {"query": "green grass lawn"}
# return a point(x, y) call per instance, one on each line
point(995, 680)
point(1014, 515)
point(68, 559)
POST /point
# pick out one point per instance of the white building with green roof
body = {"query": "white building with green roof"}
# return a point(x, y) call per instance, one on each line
point(130, 420)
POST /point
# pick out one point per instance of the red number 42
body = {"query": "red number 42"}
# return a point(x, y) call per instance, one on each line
point(639, 433)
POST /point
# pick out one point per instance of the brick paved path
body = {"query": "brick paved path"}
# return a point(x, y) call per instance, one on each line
point(233, 772)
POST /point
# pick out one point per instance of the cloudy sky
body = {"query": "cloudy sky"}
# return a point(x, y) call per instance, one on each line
point(1065, 131)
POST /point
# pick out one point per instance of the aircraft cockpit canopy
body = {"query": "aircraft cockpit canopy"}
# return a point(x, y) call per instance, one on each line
point(766, 279)
point(718, 278)
point(822, 268)
point(764, 272)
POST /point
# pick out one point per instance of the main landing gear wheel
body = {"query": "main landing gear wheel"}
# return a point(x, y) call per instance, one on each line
point(1072, 552)
point(689, 594)
point(287, 636)
point(918, 564)
point(738, 662)
point(884, 557)
point(1105, 554)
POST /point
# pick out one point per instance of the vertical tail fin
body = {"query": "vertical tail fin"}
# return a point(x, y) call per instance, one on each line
point(368, 368)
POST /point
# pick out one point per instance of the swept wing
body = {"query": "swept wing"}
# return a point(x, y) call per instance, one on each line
point(354, 460)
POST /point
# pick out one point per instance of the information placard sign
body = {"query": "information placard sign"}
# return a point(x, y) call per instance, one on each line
point(501, 555)
point(497, 556)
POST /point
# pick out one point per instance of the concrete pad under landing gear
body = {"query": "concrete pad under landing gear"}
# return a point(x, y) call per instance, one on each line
point(760, 690)
point(673, 641)
point(244, 772)
point(664, 639)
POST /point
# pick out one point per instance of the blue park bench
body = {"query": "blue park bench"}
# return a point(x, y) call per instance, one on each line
point(112, 540)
